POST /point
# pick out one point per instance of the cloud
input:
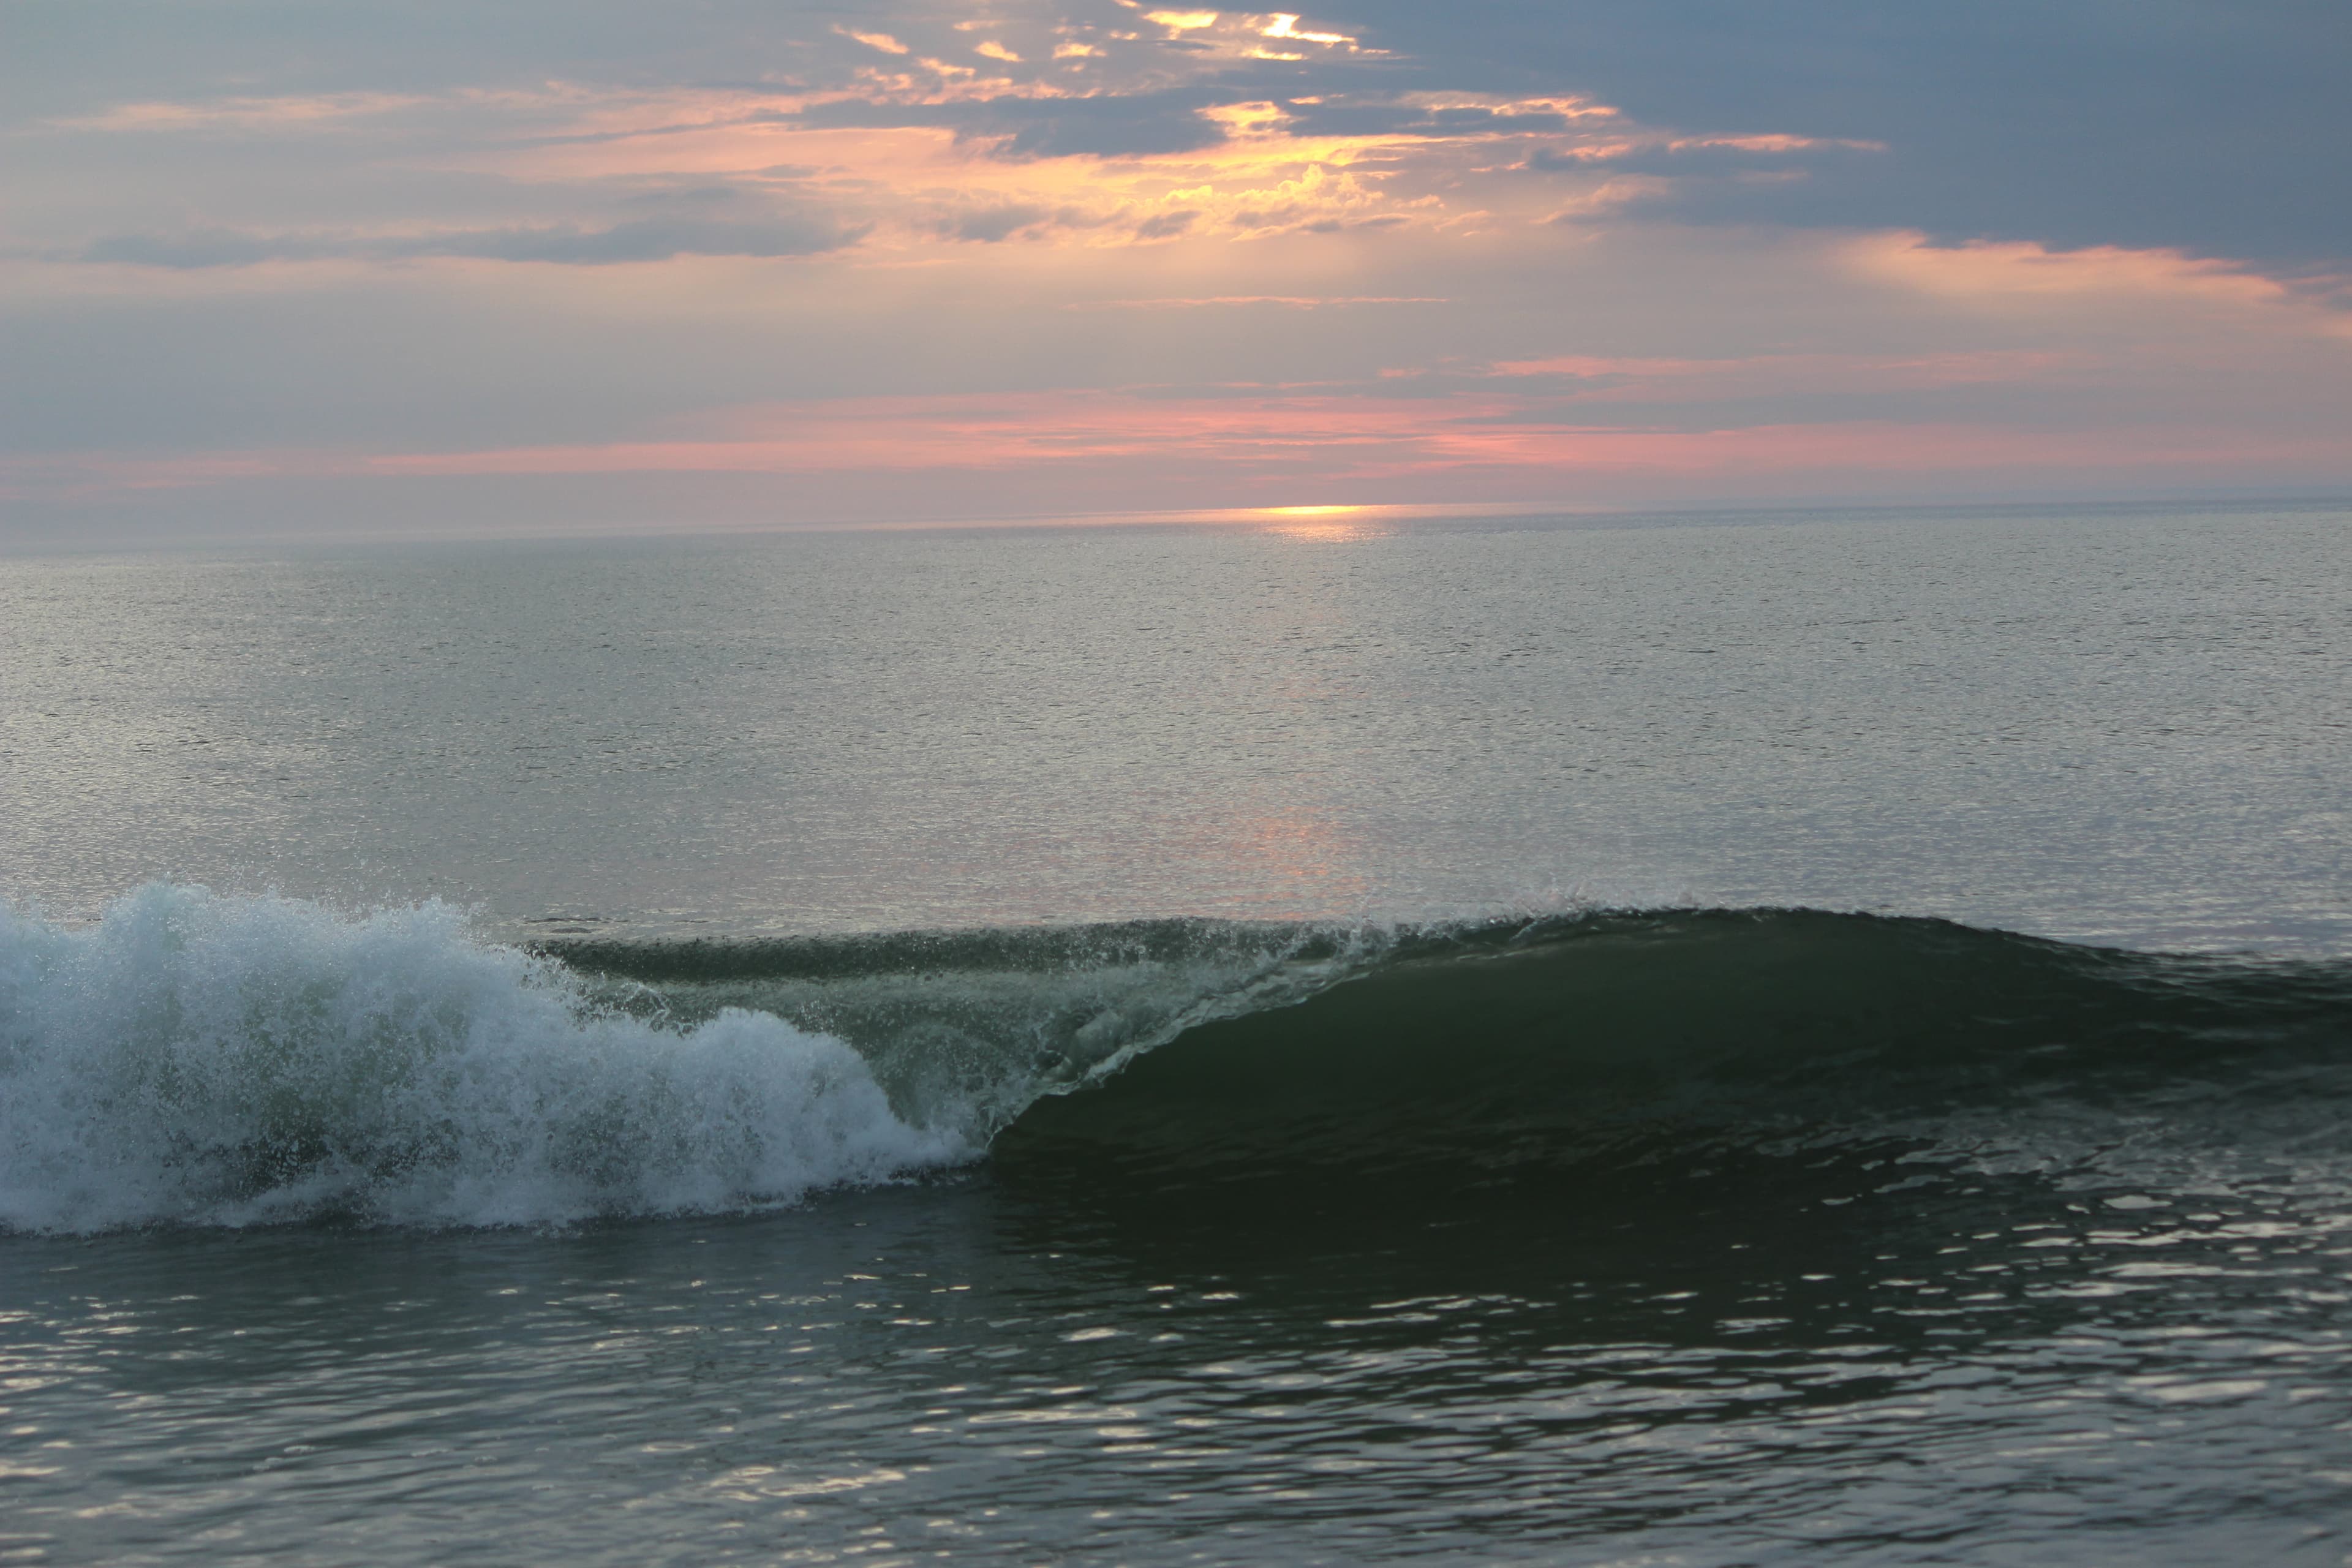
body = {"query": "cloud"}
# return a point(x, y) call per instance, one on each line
point(1284, 302)
point(1189, 255)
point(1285, 26)
point(643, 239)
point(989, 225)
point(1359, 116)
point(1243, 438)
point(1685, 158)
point(200, 247)
point(1167, 225)
point(1020, 126)
point(328, 111)
point(882, 41)
point(2200, 125)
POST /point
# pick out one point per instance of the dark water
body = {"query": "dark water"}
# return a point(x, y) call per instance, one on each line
point(645, 1228)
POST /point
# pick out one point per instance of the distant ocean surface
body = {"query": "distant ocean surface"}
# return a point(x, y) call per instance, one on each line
point(1358, 1038)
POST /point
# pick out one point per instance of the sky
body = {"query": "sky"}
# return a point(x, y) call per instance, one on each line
point(322, 267)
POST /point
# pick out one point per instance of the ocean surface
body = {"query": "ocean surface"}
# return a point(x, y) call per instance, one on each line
point(1344, 1037)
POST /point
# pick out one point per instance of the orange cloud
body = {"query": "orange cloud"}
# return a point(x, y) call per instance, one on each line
point(908, 184)
point(1986, 270)
point(882, 41)
point(1285, 24)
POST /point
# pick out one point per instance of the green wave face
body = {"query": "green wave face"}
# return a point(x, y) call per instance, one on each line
point(1185, 1050)
point(1736, 1107)
point(1600, 1040)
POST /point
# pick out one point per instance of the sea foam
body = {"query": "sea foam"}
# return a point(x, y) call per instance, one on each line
point(196, 1057)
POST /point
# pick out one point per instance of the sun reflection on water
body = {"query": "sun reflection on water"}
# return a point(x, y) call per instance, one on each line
point(1329, 524)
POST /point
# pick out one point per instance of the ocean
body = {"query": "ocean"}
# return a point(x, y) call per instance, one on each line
point(1343, 1037)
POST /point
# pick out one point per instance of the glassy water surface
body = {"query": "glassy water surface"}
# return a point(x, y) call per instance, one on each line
point(2106, 725)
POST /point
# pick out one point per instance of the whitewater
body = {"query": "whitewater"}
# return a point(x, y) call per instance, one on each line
point(196, 1058)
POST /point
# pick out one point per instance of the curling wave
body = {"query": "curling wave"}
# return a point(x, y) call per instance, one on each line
point(199, 1059)
point(1680, 1038)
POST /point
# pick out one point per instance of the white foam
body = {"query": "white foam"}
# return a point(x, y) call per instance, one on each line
point(201, 1058)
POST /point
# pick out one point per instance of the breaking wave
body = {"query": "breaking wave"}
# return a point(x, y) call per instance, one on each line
point(207, 1059)
point(199, 1058)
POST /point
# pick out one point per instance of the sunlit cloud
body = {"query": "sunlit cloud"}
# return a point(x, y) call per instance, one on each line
point(1285, 26)
point(882, 41)
point(1990, 270)
point(1238, 169)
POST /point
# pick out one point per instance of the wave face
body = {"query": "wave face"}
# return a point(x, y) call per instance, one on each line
point(1603, 1060)
point(1708, 1042)
point(216, 1060)
point(205, 1059)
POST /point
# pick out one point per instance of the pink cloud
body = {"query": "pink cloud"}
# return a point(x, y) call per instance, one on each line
point(1245, 441)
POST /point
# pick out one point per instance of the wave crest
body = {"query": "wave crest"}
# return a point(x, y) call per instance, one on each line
point(201, 1058)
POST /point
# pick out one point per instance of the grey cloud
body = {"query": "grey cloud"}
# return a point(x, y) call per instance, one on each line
point(1166, 225)
point(644, 239)
point(200, 247)
point(989, 225)
point(1444, 381)
point(1454, 382)
point(1342, 117)
point(2212, 126)
point(1334, 225)
point(684, 196)
point(1706, 161)
point(1109, 126)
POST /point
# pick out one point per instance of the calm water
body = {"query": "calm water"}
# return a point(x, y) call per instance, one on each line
point(2109, 726)
point(1762, 1040)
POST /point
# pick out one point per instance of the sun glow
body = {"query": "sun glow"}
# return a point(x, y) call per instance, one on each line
point(1321, 524)
point(1285, 26)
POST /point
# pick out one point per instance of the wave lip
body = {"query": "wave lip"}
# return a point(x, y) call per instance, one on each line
point(207, 1059)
